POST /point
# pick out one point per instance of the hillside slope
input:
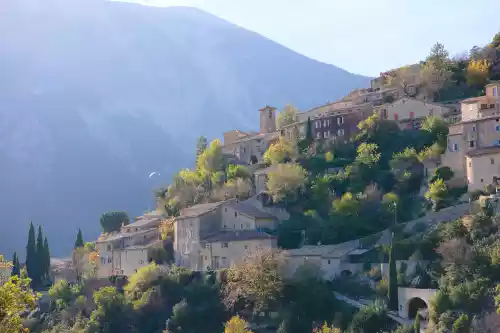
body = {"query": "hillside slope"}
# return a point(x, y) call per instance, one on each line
point(96, 95)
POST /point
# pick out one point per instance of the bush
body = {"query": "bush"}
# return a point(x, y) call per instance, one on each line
point(370, 318)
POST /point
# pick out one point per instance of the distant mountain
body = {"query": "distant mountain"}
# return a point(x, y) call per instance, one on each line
point(94, 96)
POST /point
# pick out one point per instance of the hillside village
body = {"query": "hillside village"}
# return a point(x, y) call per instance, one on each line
point(388, 194)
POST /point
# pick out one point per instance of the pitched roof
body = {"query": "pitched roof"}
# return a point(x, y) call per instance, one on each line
point(237, 235)
point(484, 99)
point(483, 151)
point(149, 220)
point(250, 210)
point(199, 209)
point(119, 235)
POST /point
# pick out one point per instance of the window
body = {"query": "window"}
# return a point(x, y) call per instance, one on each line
point(109, 260)
point(225, 245)
point(246, 247)
point(340, 132)
point(412, 114)
point(481, 180)
point(329, 261)
point(497, 128)
point(340, 120)
point(225, 210)
point(470, 164)
point(396, 116)
point(474, 128)
point(492, 160)
point(318, 135)
point(495, 91)
point(109, 247)
point(206, 258)
point(324, 123)
point(492, 106)
point(141, 262)
point(207, 245)
point(225, 226)
point(471, 144)
point(455, 147)
point(241, 226)
point(318, 124)
point(327, 134)
point(235, 214)
point(270, 114)
point(484, 106)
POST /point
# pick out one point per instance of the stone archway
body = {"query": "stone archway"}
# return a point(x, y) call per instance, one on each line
point(345, 273)
point(414, 305)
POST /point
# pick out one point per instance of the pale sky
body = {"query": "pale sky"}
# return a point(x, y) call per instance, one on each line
point(361, 36)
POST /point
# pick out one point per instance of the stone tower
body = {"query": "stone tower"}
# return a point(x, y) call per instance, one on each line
point(268, 119)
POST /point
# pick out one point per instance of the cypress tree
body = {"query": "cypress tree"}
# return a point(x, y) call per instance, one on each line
point(16, 270)
point(31, 259)
point(40, 256)
point(416, 324)
point(79, 240)
point(46, 252)
point(392, 291)
point(309, 133)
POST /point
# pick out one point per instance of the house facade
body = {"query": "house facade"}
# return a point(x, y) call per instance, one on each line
point(339, 124)
point(475, 137)
point(483, 167)
point(126, 251)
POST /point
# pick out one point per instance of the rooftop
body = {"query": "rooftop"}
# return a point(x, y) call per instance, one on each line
point(148, 220)
point(250, 210)
point(199, 209)
point(269, 136)
point(235, 236)
point(119, 235)
point(327, 251)
point(483, 151)
point(480, 99)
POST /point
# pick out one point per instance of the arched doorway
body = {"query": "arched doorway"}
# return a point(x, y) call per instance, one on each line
point(346, 273)
point(414, 305)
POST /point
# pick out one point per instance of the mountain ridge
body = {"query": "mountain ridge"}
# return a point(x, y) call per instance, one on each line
point(96, 95)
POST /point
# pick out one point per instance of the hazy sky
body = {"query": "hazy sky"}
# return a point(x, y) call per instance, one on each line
point(361, 36)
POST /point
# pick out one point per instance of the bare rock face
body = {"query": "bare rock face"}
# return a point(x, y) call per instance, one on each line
point(95, 95)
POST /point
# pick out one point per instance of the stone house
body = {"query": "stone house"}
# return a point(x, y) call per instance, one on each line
point(410, 112)
point(231, 247)
point(250, 147)
point(483, 167)
point(125, 251)
point(479, 128)
point(261, 176)
point(339, 124)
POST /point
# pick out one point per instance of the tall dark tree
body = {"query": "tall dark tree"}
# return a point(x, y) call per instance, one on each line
point(16, 268)
point(31, 259)
point(79, 240)
point(40, 256)
point(46, 256)
point(201, 145)
point(309, 134)
point(392, 290)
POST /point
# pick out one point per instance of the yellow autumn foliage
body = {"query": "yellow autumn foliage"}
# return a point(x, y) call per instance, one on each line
point(477, 72)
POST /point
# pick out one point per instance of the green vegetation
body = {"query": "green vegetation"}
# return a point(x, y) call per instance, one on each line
point(113, 221)
point(37, 258)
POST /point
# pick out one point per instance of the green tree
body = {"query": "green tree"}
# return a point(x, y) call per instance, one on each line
point(369, 319)
point(280, 152)
point(46, 259)
point(461, 324)
point(436, 73)
point(41, 258)
point(79, 239)
point(112, 314)
point(392, 291)
point(31, 257)
point(477, 72)
point(286, 182)
point(15, 297)
point(112, 221)
point(237, 171)
point(236, 325)
point(201, 145)
point(437, 193)
point(416, 324)
point(368, 154)
point(287, 116)
point(16, 268)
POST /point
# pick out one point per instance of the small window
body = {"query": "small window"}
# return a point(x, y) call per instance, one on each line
point(206, 258)
point(207, 245)
point(141, 262)
point(492, 106)
point(474, 128)
point(481, 180)
point(109, 247)
point(318, 135)
point(497, 128)
point(492, 160)
point(225, 210)
point(455, 147)
point(412, 114)
point(327, 134)
point(328, 261)
point(471, 144)
point(470, 164)
point(235, 214)
point(340, 120)
point(324, 123)
point(495, 91)
point(241, 226)
point(318, 124)
point(225, 245)
point(109, 260)
point(396, 116)
point(246, 247)
point(225, 226)
point(340, 132)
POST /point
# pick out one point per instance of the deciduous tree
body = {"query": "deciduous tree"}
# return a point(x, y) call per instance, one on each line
point(477, 72)
point(287, 116)
point(15, 296)
point(113, 221)
point(286, 182)
point(280, 152)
